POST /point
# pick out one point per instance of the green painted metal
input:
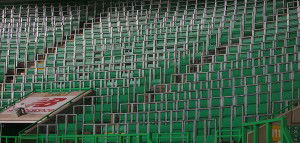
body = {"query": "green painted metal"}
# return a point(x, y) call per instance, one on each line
point(233, 65)
point(254, 126)
point(268, 133)
point(228, 134)
point(255, 140)
point(175, 136)
point(64, 90)
point(244, 135)
point(49, 115)
point(9, 139)
point(288, 107)
point(284, 131)
point(100, 138)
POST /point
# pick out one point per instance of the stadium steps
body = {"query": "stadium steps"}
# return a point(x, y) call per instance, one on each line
point(168, 66)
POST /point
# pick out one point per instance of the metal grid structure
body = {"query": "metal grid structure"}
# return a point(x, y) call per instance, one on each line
point(156, 66)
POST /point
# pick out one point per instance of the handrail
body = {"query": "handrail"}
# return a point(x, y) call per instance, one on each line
point(262, 122)
point(237, 131)
point(287, 107)
point(284, 134)
point(63, 90)
point(48, 115)
point(98, 137)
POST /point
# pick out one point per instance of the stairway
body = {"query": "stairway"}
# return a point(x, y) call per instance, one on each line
point(284, 127)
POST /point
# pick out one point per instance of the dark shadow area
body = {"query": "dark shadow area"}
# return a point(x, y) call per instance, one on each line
point(13, 129)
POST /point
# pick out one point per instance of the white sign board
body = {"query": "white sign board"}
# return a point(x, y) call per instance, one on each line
point(41, 105)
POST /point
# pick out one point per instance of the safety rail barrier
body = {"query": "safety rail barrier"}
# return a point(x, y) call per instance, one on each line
point(99, 138)
point(224, 134)
point(290, 105)
point(284, 136)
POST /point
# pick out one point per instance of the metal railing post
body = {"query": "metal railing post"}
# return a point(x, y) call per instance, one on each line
point(244, 135)
point(255, 130)
point(281, 132)
point(149, 138)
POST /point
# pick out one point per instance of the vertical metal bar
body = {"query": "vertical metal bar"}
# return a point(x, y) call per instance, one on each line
point(255, 130)
point(119, 138)
point(244, 135)
point(150, 137)
point(205, 130)
point(298, 32)
point(123, 139)
point(0, 131)
point(76, 138)
point(268, 133)
point(188, 137)
point(216, 133)
point(284, 134)
point(281, 131)
point(139, 139)
point(130, 139)
point(194, 136)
